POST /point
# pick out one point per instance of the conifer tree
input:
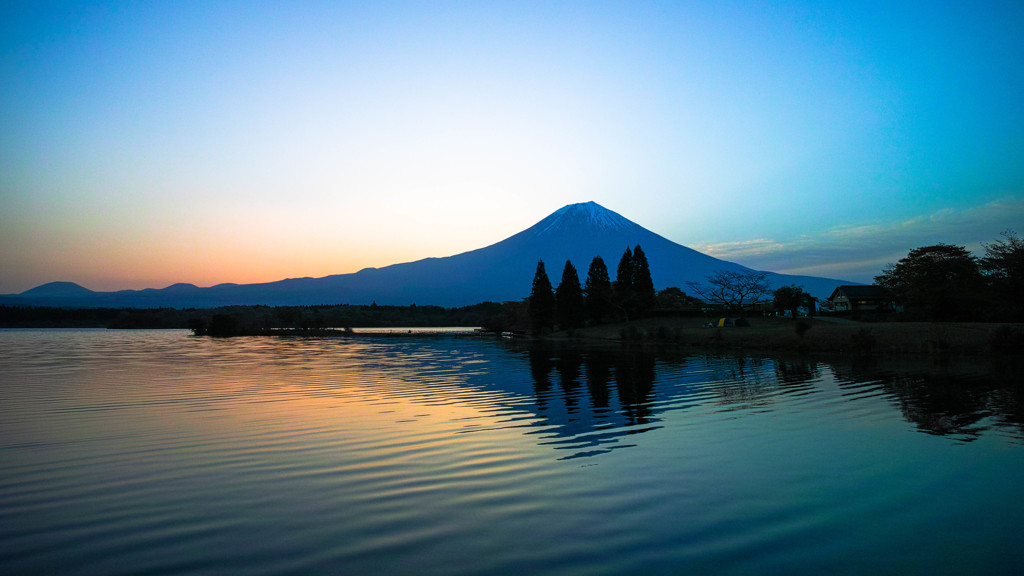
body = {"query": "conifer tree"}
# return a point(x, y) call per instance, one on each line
point(542, 301)
point(623, 285)
point(643, 293)
point(598, 291)
point(569, 305)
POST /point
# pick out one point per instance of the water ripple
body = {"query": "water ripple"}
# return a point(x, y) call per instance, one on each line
point(160, 453)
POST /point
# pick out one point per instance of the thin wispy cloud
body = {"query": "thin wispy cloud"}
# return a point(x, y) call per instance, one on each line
point(858, 252)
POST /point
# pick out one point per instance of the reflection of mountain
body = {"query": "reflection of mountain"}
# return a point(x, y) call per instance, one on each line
point(500, 272)
point(592, 401)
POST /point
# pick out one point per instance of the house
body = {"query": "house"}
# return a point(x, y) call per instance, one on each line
point(860, 298)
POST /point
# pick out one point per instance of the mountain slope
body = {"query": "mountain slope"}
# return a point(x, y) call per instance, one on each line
point(499, 272)
point(578, 232)
point(58, 290)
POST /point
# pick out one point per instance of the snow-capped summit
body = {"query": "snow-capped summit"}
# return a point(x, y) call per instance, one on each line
point(588, 214)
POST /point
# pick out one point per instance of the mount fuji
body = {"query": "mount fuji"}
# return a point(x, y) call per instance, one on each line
point(499, 272)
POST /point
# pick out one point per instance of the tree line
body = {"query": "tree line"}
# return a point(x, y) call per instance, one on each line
point(227, 320)
point(947, 282)
point(599, 299)
point(943, 282)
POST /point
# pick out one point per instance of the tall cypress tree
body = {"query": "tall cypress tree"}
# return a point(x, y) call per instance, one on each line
point(542, 301)
point(643, 294)
point(569, 306)
point(598, 291)
point(623, 285)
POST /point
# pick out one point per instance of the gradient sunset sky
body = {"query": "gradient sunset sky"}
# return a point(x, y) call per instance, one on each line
point(148, 143)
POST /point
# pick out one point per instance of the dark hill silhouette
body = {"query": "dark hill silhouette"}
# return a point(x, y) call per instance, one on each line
point(499, 272)
point(57, 290)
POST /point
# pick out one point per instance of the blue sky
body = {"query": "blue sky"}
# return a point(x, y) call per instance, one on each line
point(143, 144)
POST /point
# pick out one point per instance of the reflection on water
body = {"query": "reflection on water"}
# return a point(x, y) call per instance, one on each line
point(158, 452)
point(963, 400)
point(580, 391)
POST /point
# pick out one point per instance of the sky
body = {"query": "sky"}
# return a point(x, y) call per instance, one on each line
point(148, 143)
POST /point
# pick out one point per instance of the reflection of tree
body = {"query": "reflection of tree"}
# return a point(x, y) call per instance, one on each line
point(941, 401)
point(634, 377)
point(796, 371)
point(939, 405)
point(540, 371)
point(1008, 404)
point(625, 396)
point(743, 382)
point(596, 427)
point(599, 370)
point(569, 363)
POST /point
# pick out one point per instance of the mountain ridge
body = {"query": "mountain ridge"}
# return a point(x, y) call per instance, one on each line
point(498, 272)
point(56, 289)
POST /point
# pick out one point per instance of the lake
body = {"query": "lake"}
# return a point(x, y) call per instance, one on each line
point(157, 452)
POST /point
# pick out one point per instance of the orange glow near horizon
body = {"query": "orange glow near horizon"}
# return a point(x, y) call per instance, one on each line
point(147, 144)
point(136, 260)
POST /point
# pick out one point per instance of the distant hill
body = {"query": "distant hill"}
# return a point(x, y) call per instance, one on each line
point(499, 272)
point(58, 290)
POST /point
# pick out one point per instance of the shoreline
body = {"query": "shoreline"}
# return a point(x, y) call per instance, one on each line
point(820, 336)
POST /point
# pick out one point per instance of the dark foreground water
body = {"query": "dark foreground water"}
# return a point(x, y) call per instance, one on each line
point(156, 452)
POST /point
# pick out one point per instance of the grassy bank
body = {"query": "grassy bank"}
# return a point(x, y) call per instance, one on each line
point(820, 336)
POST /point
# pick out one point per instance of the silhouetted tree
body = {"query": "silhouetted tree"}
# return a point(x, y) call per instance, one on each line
point(569, 305)
point(673, 298)
point(198, 326)
point(623, 285)
point(598, 291)
point(1003, 266)
point(504, 317)
point(542, 301)
point(733, 290)
point(643, 294)
point(943, 282)
point(223, 325)
point(791, 298)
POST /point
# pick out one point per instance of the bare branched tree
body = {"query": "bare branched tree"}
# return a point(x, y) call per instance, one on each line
point(734, 290)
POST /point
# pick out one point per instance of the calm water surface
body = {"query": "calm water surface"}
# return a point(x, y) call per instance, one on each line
point(155, 452)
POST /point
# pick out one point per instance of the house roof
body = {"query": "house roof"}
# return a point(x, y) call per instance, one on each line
point(872, 292)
